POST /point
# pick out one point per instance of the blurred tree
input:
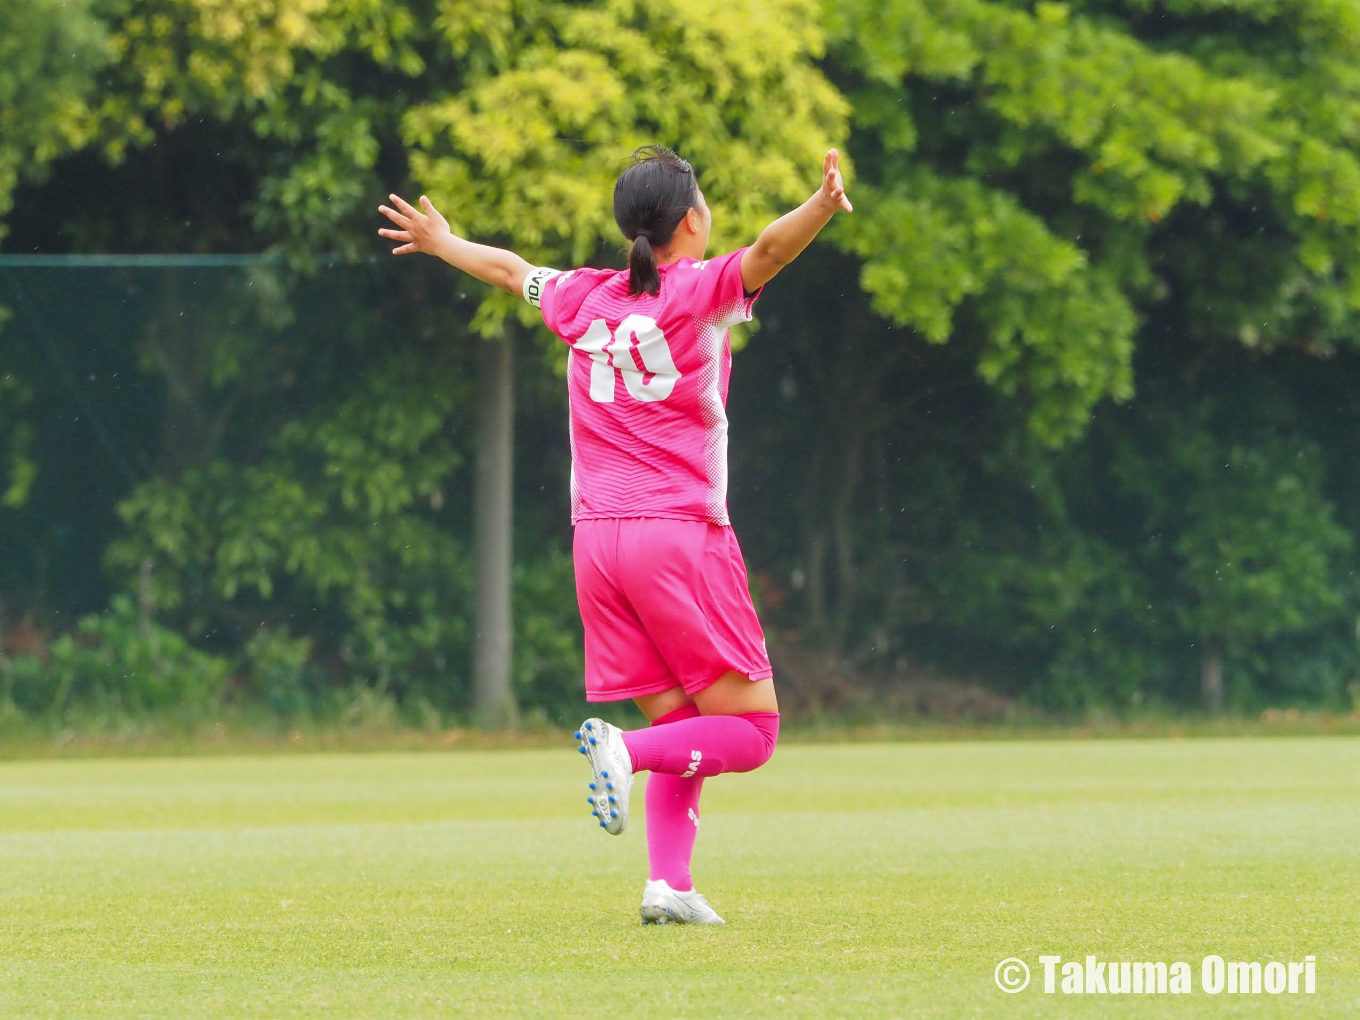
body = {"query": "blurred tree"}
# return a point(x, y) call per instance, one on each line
point(1049, 184)
point(1190, 531)
point(16, 440)
point(935, 444)
point(336, 518)
point(515, 118)
point(1236, 523)
point(50, 52)
point(526, 147)
point(1101, 126)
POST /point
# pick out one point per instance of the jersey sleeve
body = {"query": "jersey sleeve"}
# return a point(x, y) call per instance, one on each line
point(718, 291)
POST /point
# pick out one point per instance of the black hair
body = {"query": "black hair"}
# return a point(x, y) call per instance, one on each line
point(651, 197)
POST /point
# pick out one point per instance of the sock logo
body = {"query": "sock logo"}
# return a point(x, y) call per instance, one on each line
point(693, 817)
point(695, 758)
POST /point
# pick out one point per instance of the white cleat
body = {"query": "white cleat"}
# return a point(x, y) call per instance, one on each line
point(612, 769)
point(663, 905)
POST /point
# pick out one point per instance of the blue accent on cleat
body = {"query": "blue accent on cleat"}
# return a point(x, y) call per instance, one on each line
point(591, 800)
point(592, 786)
point(609, 786)
point(602, 825)
point(605, 774)
point(589, 726)
point(581, 749)
point(577, 734)
point(613, 814)
point(592, 741)
point(611, 800)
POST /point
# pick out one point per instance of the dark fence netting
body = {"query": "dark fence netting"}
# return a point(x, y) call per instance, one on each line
point(229, 483)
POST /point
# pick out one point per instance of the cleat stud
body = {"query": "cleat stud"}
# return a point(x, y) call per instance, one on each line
point(590, 800)
point(581, 749)
point(613, 814)
point(611, 800)
point(592, 740)
point(602, 825)
point(592, 786)
point(605, 774)
point(590, 726)
point(577, 734)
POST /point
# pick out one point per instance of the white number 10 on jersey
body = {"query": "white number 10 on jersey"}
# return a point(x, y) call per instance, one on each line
point(610, 354)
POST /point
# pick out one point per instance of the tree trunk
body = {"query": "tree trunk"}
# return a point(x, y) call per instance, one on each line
point(493, 697)
point(1211, 676)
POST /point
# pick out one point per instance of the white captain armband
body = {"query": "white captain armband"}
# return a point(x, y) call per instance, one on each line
point(535, 282)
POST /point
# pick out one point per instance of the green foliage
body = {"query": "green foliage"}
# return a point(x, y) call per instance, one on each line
point(526, 141)
point(1043, 170)
point(1312, 666)
point(1259, 540)
point(305, 88)
point(947, 462)
point(515, 115)
point(282, 669)
point(116, 664)
point(18, 468)
point(336, 528)
point(1054, 188)
point(1066, 603)
point(549, 662)
point(521, 119)
point(1167, 531)
point(1056, 332)
point(50, 54)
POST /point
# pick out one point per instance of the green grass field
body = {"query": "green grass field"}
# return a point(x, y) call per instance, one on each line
point(862, 880)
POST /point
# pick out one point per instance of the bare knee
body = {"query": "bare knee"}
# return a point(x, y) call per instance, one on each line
point(654, 706)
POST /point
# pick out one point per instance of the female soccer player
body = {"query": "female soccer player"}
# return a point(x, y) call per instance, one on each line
point(659, 576)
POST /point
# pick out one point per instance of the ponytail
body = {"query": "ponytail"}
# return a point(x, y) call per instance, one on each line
point(643, 277)
point(651, 197)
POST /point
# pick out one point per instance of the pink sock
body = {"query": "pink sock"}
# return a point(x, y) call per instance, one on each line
point(704, 745)
point(673, 817)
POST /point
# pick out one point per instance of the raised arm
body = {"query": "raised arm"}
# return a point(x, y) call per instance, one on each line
point(784, 239)
point(429, 232)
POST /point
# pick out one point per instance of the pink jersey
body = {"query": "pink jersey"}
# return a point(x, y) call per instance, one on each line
point(647, 383)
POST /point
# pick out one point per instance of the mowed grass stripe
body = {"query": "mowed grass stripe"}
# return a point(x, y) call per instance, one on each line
point(866, 880)
point(361, 789)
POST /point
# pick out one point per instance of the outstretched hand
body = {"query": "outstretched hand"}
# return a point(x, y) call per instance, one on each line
point(833, 187)
point(420, 231)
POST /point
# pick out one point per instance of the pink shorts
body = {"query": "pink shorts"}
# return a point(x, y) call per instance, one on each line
point(665, 604)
